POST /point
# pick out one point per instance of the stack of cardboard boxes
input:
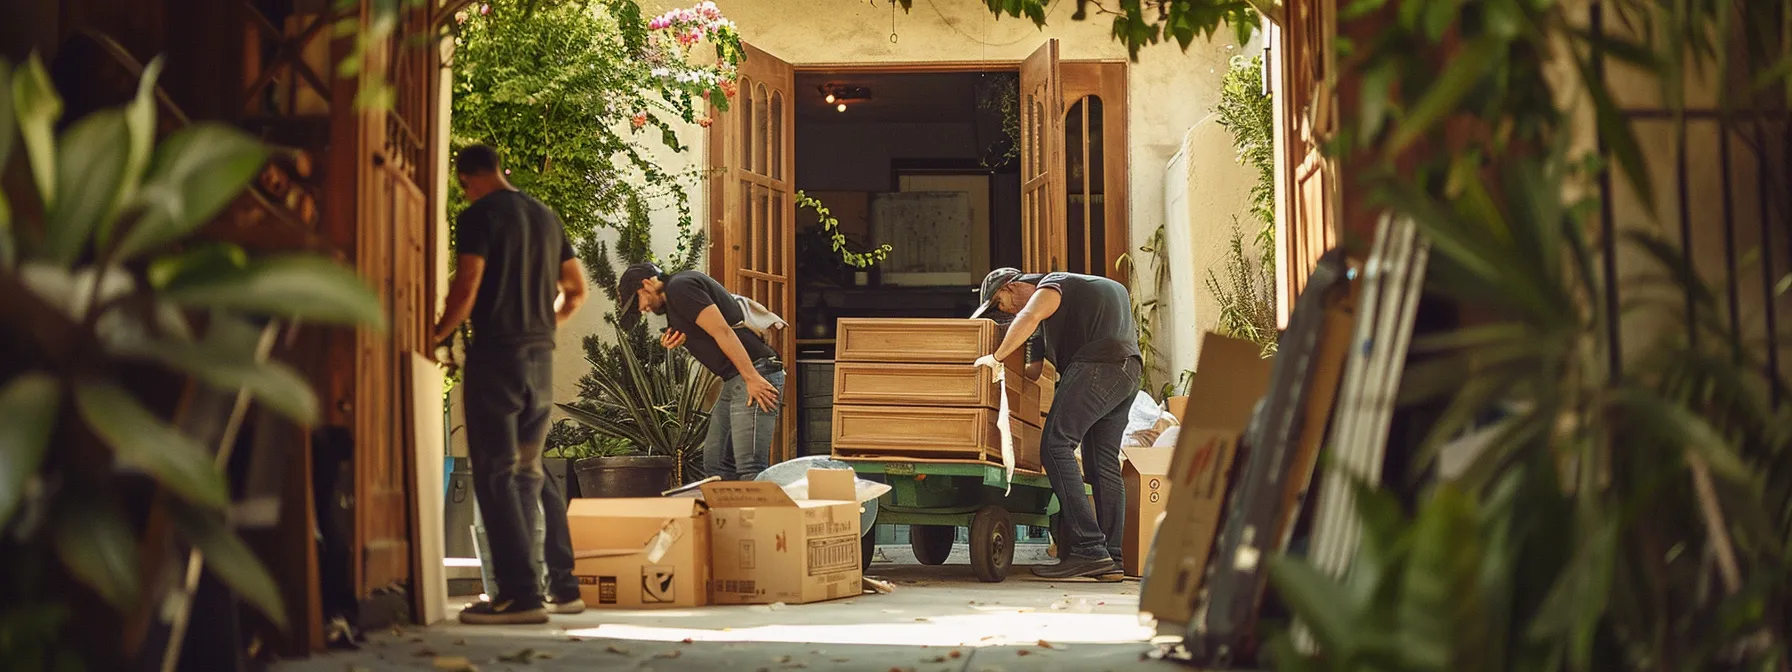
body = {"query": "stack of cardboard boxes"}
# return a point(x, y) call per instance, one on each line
point(906, 389)
point(745, 542)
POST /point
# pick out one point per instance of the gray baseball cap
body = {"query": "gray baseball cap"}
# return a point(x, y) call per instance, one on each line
point(992, 283)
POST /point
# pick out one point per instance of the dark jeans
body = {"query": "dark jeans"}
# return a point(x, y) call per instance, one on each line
point(509, 396)
point(739, 443)
point(1090, 407)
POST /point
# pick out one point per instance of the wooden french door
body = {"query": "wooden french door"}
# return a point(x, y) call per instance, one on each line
point(1308, 224)
point(752, 206)
point(1042, 192)
point(1095, 222)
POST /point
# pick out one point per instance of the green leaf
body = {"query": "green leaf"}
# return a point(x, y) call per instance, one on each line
point(140, 120)
point(272, 383)
point(196, 172)
point(1360, 8)
point(27, 421)
point(142, 440)
point(90, 170)
point(1445, 97)
point(1619, 135)
point(1376, 94)
point(38, 107)
point(229, 559)
point(1318, 601)
point(299, 287)
point(1673, 424)
point(1572, 609)
point(99, 549)
point(205, 260)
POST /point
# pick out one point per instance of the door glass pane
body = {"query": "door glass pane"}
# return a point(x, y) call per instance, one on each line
point(744, 124)
point(762, 120)
point(1076, 190)
point(761, 226)
point(743, 247)
point(1096, 227)
point(776, 123)
point(778, 232)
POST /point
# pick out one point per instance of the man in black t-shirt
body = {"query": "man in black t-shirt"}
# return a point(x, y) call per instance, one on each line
point(1090, 337)
point(513, 263)
point(702, 316)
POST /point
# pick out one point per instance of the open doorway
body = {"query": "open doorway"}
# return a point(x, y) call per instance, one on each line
point(927, 163)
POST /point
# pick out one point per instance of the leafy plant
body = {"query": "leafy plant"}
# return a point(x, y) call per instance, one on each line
point(635, 387)
point(571, 440)
point(564, 93)
point(106, 303)
point(998, 95)
point(831, 227)
point(1247, 307)
point(1248, 112)
point(1144, 310)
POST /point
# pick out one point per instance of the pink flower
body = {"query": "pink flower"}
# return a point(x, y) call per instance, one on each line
point(729, 88)
point(639, 120)
point(704, 121)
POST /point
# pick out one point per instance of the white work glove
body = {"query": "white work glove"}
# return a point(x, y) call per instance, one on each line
point(988, 361)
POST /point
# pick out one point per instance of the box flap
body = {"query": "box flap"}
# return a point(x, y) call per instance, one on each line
point(1229, 379)
point(1151, 460)
point(634, 507)
point(605, 553)
point(833, 485)
point(742, 494)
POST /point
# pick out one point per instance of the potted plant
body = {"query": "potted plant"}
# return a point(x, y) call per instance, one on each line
point(652, 406)
point(568, 442)
point(108, 309)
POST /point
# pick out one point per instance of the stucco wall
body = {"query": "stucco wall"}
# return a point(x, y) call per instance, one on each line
point(1170, 91)
point(1215, 193)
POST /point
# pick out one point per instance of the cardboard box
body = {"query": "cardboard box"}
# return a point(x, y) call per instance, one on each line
point(915, 341)
point(640, 553)
point(1230, 378)
point(766, 547)
point(1177, 406)
point(1146, 474)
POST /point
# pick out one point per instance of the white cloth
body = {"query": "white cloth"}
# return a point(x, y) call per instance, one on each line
point(1146, 421)
point(757, 318)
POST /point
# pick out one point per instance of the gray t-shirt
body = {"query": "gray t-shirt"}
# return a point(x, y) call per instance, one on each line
point(1093, 322)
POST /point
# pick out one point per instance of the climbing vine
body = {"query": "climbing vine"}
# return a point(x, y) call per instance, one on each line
point(831, 226)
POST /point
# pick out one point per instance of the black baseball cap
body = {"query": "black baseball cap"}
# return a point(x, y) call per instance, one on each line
point(992, 283)
point(628, 306)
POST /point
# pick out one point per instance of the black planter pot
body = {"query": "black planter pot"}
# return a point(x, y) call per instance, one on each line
point(629, 476)
point(559, 469)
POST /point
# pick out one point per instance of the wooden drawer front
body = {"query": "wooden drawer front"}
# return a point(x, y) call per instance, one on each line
point(919, 341)
point(1048, 388)
point(894, 430)
point(866, 383)
point(1026, 446)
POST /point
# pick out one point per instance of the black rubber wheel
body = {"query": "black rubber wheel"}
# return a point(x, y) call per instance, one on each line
point(932, 543)
point(867, 548)
point(992, 544)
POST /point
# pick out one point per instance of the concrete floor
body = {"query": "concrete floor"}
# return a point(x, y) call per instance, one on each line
point(939, 619)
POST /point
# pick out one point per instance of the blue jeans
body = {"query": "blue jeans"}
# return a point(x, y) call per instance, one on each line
point(739, 444)
point(508, 401)
point(1090, 407)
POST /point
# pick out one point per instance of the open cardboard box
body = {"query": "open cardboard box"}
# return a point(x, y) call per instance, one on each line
point(635, 553)
point(1146, 473)
point(766, 547)
point(1230, 378)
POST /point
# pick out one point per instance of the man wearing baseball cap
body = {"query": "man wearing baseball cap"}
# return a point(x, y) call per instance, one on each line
point(1091, 339)
point(702, 316)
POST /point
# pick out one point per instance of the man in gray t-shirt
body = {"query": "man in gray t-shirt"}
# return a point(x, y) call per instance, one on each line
point(1090, 337)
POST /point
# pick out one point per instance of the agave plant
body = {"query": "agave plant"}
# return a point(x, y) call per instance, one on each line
point(656, 404)
point(105, 306)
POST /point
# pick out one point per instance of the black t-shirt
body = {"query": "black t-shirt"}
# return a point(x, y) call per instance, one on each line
point(523, 244)
point(687, 294)
point(1093, 322)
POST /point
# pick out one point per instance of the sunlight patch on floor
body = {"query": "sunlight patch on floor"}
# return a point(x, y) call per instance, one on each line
point(996, 627)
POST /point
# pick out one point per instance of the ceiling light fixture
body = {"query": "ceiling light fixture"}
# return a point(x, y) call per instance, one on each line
point(841, 107)
point(839, 95)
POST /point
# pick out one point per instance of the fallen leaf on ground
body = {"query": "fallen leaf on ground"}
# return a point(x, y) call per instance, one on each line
point(687, 640)
point(424, 653)
point(935, 659)
point(842, 660)
point(574, 639)
point(453, 664)
point(617, 650)
point(923, 620)
point(1048, 645)
point(956, 653)
point(460, 642)
point(1023, 652)
point(669, 654)
point(416, 640)
point(523, 656)
point(781, 659)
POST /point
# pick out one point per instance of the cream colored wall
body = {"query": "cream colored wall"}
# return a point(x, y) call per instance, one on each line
point(1169, 91)
point(1217, 195)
